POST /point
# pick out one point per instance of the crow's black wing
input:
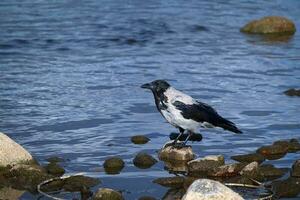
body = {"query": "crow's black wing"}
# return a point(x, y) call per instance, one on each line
point(202, 112)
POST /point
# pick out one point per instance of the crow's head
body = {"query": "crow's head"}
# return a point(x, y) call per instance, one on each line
point(157, 86)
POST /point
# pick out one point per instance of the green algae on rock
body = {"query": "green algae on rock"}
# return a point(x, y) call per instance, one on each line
point(54, 169)
point(107, 194)
point(113, 165)
point(77, 183)
point(139, 139)
point(270, 25)
point(144, 160)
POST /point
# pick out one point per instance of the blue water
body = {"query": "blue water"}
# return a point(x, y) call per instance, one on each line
point(71, 71)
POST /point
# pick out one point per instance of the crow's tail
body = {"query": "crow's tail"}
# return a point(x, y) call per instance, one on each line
point(228, 125)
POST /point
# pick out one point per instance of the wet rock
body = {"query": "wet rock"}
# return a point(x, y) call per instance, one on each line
point(173, 194)
point(107, 194)
point(55, 159)
point(296, 169)
point(78, 183)
point(27, 177)
point(269, 172)
point(113, 165)
point(10, 193)
point(268, 151)
point(139, 139)
point(248, 158)
point(147, 198)
point(176, 166)
point(172, 182)
point(170, 153)
point(85, 193)
point(197, 137)
point(227, 170)
point(294, 145)
point(202, 166)
point(240, 180)
point(289, 187)
point(54, 169)
point(205, 189)
point(52, 186)
point(12, 153)
point(292, 92)
point(270, 25)
point(251, 171)
point(144, 160)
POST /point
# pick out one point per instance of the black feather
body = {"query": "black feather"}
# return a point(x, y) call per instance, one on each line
point(202, 112)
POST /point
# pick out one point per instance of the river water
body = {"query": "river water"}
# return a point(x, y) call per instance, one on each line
point(71, 71)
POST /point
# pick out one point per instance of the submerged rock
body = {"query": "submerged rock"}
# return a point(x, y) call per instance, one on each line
point(170, 153)
point(296, 169)
point(78, 183)
point(12, 153)
point(248, 158)
point(202, 166)
point(289, 187)
point(277, 150)
point(292, 92)
point(113, 165)
point(270, 25)
point(205, 189)
point(172, 182)
point(55, 159)
point(54, 169)
point(269, 172)
point(107, 194)
point(139, 139)
point(144, 160)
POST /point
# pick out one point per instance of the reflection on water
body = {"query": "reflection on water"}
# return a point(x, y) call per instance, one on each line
point(71, 71)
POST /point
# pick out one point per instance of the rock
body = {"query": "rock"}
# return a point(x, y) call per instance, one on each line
point(78, 183)
point(251, 171)
point(292, 92)
point(144, 160)
point(173, 194)
point(202, 166)
point(139, 139)
point(240, 180)
point(205, 189)
point(176, 166)
point(26, 177)
point(147, 198)
point(296, 169)
point(294, 145)
point(55, 159)
point(52, 186)
point(196, 137)
point(172, 182)
point(113, 165)
point(270, 25)
point(85, 193)
point(12, 153)
point(107, 194)
point(269, 172)
point(227, 170)
point(248, 158)
point(270, 150)
point(54, 169)
point(170, 153)
point(289, 187)
point(10, 193)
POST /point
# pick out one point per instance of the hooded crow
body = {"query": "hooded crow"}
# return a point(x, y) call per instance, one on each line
point(184, 112)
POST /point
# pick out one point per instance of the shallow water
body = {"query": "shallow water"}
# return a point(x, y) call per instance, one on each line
point(70, 77)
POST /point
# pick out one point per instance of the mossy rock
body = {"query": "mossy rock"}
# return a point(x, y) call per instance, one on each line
point(54, 169)
point(52, 186)
point(292, 92)
point(107, 194)
point(270, 25)
point(139, 139)
point(113, 165)
point(144, 160)
point(78, 183)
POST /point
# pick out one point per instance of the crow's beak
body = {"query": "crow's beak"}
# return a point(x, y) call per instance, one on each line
point(147, 86)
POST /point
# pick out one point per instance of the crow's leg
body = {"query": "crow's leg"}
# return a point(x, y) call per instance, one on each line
point(181, 130)
point(187, 138)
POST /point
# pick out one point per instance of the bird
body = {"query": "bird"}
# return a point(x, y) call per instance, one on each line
point(184, 112)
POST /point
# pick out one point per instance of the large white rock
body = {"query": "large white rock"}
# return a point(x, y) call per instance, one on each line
point(12, 153)
point(205, 189)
